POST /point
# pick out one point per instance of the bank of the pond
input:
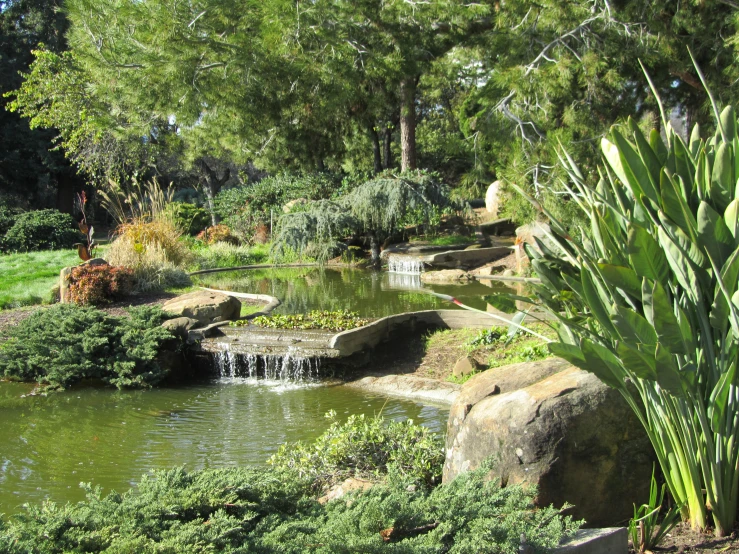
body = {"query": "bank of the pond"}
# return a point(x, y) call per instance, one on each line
point(111, 437)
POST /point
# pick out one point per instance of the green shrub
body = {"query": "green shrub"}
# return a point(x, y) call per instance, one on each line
point(369, 448)
point(245, 208)
point(99, 284)
point(241, 511)
point(66, 343)
point(189, 218)
point(376, 209)
point(7, 218)
point(41, 230)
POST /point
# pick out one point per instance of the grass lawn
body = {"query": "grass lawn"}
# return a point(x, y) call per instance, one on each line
point(27, 278)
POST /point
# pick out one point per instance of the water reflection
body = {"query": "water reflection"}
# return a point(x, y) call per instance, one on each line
point(110, 438)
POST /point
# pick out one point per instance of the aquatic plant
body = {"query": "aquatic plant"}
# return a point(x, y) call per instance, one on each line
point(340, 320)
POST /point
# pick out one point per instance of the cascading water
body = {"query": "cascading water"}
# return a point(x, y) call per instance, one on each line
point(287, 367)
point(404, 265)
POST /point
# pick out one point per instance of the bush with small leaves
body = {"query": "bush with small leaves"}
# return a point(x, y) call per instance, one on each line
point(41, 230)
point(64, 344)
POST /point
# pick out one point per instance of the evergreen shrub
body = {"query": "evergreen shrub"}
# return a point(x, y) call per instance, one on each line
point(368, 448)
point(189, 218)
point(41, 230)
point(267, 510)
point(245, 209)
point(64, 344)
point(100, 284)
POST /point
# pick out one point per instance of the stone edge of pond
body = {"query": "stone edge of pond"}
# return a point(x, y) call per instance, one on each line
point(368, 336)
point(410, 387)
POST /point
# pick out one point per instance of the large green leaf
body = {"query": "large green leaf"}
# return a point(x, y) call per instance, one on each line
point(621, 277)
point(597, 301)
point(655, 141)
point(645, 255)
point(722, 177)
point(602, 363)
point(633, 327)
point(634, 169)
point(718, 401)
point(714, 235)
point(694, 145)
point(647, 155)
point(730, 276)
point(675, 206)
point(668, 372)
point(658, 305)
point(639, 363)
point(731, 218)
point(680, 266)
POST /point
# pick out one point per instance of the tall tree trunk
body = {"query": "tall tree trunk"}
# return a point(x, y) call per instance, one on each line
point(374, 251)
point(376, 151)
point(210, 196)
point(408, 124)
point(211, 187)
point(387, 157)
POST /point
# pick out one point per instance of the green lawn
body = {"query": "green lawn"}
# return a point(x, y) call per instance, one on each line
point(26, 279)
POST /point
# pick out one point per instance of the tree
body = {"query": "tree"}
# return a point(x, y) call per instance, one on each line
point(31, 172)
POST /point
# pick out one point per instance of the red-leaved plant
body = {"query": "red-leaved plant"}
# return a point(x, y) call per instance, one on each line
point(99, 284)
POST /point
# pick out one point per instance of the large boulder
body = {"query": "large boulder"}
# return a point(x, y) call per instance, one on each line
point(552, 425)
point(492, 199)
point(205, 307)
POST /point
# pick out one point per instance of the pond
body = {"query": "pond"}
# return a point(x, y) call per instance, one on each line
point(110, 438)
point(371, 293)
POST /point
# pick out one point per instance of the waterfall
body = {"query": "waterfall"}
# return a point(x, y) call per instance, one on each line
point(404, 265)
point(289, 366)
point(403, 281)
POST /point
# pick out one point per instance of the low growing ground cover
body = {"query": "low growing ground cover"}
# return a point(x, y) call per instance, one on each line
point(64, 344)
point(274, 509)
point(490, 348)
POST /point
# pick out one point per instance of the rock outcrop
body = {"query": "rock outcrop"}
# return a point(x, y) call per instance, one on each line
point(451, 276)
point(552, 425)
point(205, 307)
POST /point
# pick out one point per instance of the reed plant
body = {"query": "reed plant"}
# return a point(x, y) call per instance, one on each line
point(648, 300)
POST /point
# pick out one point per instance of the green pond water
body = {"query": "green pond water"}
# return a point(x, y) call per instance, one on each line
point(48, 445)
point(371, 293)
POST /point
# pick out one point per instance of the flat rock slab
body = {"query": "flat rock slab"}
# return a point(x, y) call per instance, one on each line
point(410, 386)
point(609, 540)
point(448, 276)
point(253, 339)
point(466, 258)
